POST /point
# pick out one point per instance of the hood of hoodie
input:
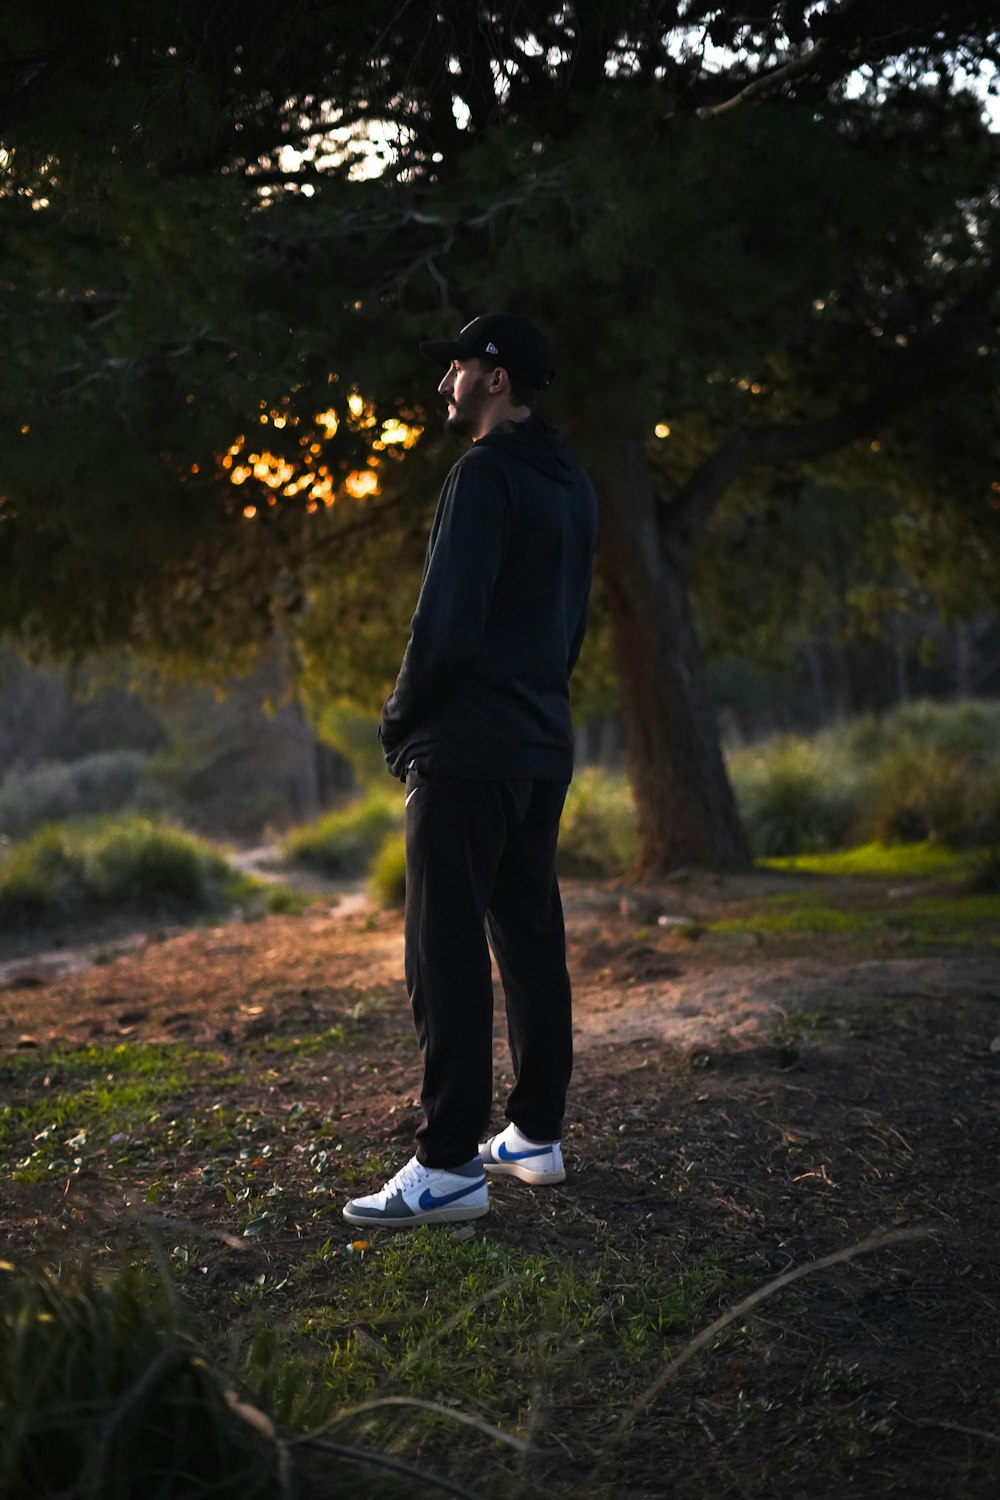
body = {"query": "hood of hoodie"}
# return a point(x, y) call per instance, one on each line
point(534, 443)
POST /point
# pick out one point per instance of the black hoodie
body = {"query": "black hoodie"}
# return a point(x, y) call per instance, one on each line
point(483, 691)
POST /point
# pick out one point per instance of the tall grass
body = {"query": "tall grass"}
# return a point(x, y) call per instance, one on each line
point(125, 862)
point(598, 832)
point(346, 841)
point(925, 771)
point(103, 1398)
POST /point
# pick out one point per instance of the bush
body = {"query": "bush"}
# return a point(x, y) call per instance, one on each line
point(388, 872)
point(796, 796)
point(598, 832)
point(919, 794)
point(968, 730)
point(129, 862)
point(58, 790)
point(345, 842)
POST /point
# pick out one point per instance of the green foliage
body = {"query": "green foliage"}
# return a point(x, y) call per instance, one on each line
point(970, 730)
point(353, 735)
point(597, 835)
point(104, 1399)
point(388, 872)
point(130, 862)
point(55, 791)
point(795, 795)
point(345, 842)
point(503, 1330)
point(107, 1096)
point(924, 772)
point(284, 901)
point(887, 861)
point(935, 772)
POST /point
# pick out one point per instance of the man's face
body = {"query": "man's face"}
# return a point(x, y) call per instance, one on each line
point(465, 386)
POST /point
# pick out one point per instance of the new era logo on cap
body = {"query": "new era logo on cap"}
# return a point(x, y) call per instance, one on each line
point(516, 344)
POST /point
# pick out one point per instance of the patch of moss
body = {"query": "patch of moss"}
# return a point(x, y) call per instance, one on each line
point(806, 918)
point(890, 861)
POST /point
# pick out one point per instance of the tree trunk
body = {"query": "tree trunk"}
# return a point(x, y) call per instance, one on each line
point(684, 803)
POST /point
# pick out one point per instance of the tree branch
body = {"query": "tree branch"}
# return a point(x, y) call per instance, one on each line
point(806, 62)
point(780, 444)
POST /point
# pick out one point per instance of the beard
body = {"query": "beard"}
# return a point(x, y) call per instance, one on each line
point(464, 416)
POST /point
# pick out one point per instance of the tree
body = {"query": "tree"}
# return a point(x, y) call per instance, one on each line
point(768, 232)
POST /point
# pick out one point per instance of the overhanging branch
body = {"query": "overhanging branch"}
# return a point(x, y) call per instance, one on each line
point(779, 444)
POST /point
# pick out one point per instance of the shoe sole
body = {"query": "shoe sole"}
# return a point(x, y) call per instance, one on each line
point(426, 1216)
point(526, 1174)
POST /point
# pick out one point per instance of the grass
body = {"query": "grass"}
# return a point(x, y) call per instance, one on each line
point(106, 1392)
point(105, 1101)
point(343, 843)
point(597, 836)
point(926, 775)
point(941, 908)
point(387, 878)
point(923, 772)
point(884, 861)
point(507, 1357)
point(109, 863)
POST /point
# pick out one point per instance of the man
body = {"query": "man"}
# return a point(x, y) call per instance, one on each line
point(478, 726)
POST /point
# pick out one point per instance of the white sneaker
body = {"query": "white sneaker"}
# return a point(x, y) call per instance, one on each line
point(510, 1153)
point(424, 1195)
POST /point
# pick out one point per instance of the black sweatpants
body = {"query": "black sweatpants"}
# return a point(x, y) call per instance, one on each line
point(480, 857)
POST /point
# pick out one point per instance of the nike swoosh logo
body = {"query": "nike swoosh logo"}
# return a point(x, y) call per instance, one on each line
point(409, 795)
point(506, 1155)
point(428, 1199)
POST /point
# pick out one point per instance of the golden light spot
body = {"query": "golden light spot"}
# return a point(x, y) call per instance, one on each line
point(662, 429)
point(279, 421)
point(361, 483)
point(395, 431)
point(329, 421)
point(194, 469)
point(756, 389)
point(249, 511)
point(876, 446)
point(263, 416)
point(356, 404)
point(26, 427)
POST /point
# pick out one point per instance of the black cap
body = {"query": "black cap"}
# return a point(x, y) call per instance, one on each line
point(514, 343)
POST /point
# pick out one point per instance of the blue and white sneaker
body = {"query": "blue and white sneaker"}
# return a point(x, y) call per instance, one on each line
point(511, 1154)
point(424, 1195)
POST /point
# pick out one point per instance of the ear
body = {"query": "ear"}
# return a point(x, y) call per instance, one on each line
point(499, 381)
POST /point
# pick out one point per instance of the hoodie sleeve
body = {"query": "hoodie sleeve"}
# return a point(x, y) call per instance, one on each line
point(467, 546)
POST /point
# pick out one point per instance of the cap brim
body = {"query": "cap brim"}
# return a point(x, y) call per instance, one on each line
point(443, 351)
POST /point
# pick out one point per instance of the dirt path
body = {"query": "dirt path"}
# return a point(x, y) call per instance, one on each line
point(759, 1100)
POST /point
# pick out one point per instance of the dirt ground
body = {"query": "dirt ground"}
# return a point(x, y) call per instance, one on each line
point(769, 1099)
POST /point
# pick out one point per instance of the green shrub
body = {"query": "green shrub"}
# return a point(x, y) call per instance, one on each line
point(126, 862)
point(57, 790)
point(345, 842)
point(284, 901)
point(796, 796)
point(103, 1399)
point(388, 872)
point(970, 730)
point(598, 832)
point(920, 793)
